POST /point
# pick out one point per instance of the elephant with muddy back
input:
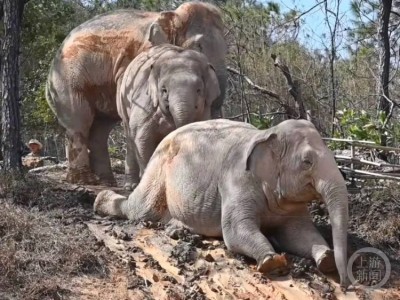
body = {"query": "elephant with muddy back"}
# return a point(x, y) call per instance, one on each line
point(162, 89)
point(250, 186)
point(86, 74)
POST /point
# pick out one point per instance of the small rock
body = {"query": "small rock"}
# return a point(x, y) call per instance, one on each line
point(169, 278)
point(209, 258)
point(143, 258)
point(131, 264)
point(125, 236)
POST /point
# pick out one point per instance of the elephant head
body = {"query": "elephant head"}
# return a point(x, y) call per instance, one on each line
point(197, 26)
point(296, 167)
point(184, 85)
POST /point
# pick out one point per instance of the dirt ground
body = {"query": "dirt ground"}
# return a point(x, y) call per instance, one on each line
point(52, 246)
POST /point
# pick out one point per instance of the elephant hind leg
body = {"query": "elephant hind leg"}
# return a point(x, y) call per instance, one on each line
point(79, 170)
point(299, 236)
point(99, 157)
point(76, 116)
point(78, 160)
point(146, 203)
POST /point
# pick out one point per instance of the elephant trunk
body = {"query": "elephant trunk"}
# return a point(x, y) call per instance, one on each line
point(182, 109)
point(181, 116)
point(334, 194)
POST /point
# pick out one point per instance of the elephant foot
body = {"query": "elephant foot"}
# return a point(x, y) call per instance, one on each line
point(326, 263)
point(108, 203)
point(130, 186)
point(83, 176)
point(273, 264)
point(108, 181)
point(176, 230)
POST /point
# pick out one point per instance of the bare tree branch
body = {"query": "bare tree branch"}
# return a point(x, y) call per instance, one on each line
point(263, 90)
point(395, 13)
point(389, 115)
point(294, 87)
point(257, 115)
point(332, 56)
point(302, 14)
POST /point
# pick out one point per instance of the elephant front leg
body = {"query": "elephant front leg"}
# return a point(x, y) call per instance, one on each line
point(146, 144)
point(299, 236)
point(242, 234)
point(78, 160)
point(132, 169)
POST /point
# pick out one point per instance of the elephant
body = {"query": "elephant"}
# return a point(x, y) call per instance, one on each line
point(86, 73)
point(250, 186)
point(161, 90)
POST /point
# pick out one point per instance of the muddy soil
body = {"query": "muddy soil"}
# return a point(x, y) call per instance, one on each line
point(140, 261)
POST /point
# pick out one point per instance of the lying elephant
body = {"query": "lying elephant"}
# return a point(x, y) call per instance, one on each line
point(162, 89)
point(87, 71)
point(225, 178)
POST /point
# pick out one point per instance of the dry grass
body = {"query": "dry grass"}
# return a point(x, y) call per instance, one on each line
point(387, 233)
point(39, 248)
point(374, 220)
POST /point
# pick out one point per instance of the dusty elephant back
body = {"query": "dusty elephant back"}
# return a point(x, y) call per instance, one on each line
point(94, 56)
point(86, 74)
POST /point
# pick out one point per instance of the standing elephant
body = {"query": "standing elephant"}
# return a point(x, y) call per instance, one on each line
point(162, 89)
point(87, 71)
point(250, 186)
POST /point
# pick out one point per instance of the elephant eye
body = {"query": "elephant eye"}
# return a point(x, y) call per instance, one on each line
point(307, 163)
point(163, 90)
point(198, 91)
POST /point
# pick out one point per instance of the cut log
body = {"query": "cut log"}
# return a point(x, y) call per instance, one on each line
point(212, 271)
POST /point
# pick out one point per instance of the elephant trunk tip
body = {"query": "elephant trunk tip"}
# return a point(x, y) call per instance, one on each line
point(108, 203)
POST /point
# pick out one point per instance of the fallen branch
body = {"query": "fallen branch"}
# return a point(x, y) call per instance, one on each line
point(348, 140)
point(257, 115)
point(294, 86)
point(48, 168)
point(367, 162)
point(263, 90)
point(353, 172)
point(364, 144)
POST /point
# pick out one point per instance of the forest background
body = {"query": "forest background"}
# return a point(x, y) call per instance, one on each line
point(340, 72)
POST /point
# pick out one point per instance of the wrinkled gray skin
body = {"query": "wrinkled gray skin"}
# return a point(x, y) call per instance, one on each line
point(162, 89)
point(225, 178)
point(86, 74)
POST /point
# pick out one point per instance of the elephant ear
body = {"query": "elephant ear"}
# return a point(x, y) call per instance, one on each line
point(164, 29)
point(212, 90)
point(194, 43)
point(263, 152)
point(152, 87)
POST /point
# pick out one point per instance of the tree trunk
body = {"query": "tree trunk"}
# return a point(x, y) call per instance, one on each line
point(384, 61)
point(10, 115)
